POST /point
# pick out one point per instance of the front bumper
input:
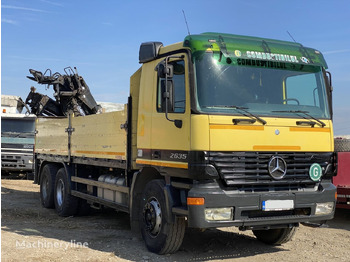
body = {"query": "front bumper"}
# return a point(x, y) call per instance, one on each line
point(247, 207)
point(16, 162)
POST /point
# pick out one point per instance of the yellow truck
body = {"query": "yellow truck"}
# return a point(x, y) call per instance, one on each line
point(219, 130)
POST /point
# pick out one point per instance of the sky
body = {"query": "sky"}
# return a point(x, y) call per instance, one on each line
point(102, 38)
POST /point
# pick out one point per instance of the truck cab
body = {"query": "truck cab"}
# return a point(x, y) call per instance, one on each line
point(242, 127)
point(17, 138)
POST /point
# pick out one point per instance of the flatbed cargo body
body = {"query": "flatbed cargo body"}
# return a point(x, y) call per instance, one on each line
point(93, 137)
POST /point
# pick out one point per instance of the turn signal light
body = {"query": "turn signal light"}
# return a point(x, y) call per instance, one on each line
point(195, 201)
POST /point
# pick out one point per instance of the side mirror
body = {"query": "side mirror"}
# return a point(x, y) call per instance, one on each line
point(165, 71)
point(329, 78)
point(167, 88)
point(330, 96)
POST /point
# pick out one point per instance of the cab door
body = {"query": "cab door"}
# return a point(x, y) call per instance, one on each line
point(170, 138)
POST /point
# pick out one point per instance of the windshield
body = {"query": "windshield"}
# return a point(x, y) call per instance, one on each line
point(15, 126)
point(264, 88)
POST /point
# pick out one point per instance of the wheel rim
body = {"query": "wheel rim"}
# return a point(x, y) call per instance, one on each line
point(60, 192)
point(152, 214)
point(45, 186)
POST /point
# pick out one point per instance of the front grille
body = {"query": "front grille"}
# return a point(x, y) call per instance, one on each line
point(249, 170)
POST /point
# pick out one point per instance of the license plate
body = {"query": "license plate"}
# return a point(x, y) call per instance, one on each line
point(277, 205)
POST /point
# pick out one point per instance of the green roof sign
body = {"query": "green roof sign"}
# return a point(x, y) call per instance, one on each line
point(246, 49)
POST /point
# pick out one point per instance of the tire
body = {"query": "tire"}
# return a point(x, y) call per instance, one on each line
point(47, 185)
point(275, 236)
point(160, 236)
point(65, 203)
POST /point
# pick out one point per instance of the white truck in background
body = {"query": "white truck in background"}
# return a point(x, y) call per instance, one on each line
point(17, 138)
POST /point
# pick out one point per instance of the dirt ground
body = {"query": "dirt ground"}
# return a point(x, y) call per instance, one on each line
point(30, 232)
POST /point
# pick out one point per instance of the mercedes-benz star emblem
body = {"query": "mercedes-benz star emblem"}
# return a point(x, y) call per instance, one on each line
point(277, 167)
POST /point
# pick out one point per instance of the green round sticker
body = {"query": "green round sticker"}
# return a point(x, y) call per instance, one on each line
point(315, 172)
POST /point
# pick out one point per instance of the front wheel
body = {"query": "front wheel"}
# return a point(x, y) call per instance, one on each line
point(160, 235)
point(276, 236)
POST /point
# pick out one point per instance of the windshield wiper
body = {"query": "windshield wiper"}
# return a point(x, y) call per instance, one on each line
point(244, 109)
point(322, 124)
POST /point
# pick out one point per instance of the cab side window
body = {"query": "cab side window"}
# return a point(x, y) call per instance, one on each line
point(178, 91)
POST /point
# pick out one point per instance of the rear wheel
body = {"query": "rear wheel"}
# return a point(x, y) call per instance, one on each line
point(65, 203)
point(276, 236)
point(47, 185)
point(160, 235)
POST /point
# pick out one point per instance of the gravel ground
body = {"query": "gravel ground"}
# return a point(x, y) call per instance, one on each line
point(32, 233)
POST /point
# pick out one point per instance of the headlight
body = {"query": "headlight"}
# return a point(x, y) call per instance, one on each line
point(324, 208)
point(215, 214)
